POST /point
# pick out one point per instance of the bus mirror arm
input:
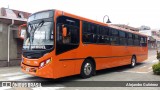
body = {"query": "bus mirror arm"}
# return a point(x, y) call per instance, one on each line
point(21, 31)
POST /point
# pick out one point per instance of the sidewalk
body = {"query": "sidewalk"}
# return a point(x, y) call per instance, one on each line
point(13, 62)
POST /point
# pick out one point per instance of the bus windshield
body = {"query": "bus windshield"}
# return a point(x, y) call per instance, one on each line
point(39, 34)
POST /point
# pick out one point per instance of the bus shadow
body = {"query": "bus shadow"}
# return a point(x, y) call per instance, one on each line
point(118, 69)
point(67, 81)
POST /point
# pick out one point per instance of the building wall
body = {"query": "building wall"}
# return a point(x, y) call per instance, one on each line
point(4, 44)
point(13, 46)
point(15, 43)
point(3, 41)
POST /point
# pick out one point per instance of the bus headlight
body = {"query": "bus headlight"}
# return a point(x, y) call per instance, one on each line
point(42, 64)
point(47, 61)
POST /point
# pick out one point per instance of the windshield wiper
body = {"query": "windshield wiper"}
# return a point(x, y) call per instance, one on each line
point(37, 28)
point(32, 31)
point(34, 27)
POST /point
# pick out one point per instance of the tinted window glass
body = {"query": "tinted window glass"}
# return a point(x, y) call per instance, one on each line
point(136, 40)
point(122, 34)
point(135, 36)
point(114, 32)
point(94, 28)
point(123, 41)
point(88, 38)
point(85, 27)
point(102, 30)
point(143, 41)
point(130, 35)
point(114, 40)
point(130, 42)
point(70, 40)
point(88, 32)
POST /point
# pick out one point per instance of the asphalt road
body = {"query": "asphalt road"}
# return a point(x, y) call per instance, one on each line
point(142, 72)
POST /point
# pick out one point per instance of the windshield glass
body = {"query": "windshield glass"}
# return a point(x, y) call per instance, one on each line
point(39, 35)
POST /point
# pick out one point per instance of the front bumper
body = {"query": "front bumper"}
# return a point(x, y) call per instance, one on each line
point(45, 72)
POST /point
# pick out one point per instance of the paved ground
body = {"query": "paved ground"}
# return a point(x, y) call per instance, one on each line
point(142, 72)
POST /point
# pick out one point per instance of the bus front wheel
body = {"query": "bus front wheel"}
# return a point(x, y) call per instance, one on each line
point(87, 69)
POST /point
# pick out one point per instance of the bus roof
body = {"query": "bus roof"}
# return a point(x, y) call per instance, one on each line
point(92, 21)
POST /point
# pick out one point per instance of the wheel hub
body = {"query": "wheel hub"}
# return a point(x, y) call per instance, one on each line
point(87, 68)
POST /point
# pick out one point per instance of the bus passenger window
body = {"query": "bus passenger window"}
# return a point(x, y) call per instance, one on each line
point(95, 38)
point(67, 33)
point(101, 39)
point(143, 41)
point(85, 37)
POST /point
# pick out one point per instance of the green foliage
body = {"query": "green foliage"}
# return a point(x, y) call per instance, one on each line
point(156, 68)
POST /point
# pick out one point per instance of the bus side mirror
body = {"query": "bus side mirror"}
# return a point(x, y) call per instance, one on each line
point(22, 31)
point(64, 31)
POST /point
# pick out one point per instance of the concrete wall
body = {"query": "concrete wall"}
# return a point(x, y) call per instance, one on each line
point(13, 46)
point(4, 44)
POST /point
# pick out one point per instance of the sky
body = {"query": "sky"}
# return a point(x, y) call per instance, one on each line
point(130, 12)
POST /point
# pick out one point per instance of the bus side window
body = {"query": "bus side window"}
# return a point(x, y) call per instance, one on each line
point(88, 32)
point(67, 34)
point(130, 39)
point(136, 40)
point(143, 41)
point(95, 30)
point(114, 37)
point(122, 37)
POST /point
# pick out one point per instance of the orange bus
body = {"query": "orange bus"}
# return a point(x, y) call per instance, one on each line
point(58, 44)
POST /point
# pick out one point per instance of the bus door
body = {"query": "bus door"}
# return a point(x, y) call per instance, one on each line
point(67, 42)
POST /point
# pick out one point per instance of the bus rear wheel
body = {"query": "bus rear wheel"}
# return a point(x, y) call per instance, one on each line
point(87, 69)
point(133, 61)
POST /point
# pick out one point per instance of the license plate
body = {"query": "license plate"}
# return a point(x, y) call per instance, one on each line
point(27, 69)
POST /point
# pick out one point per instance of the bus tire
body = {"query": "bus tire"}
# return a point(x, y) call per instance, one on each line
point(133, 61)
point(87, 69)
